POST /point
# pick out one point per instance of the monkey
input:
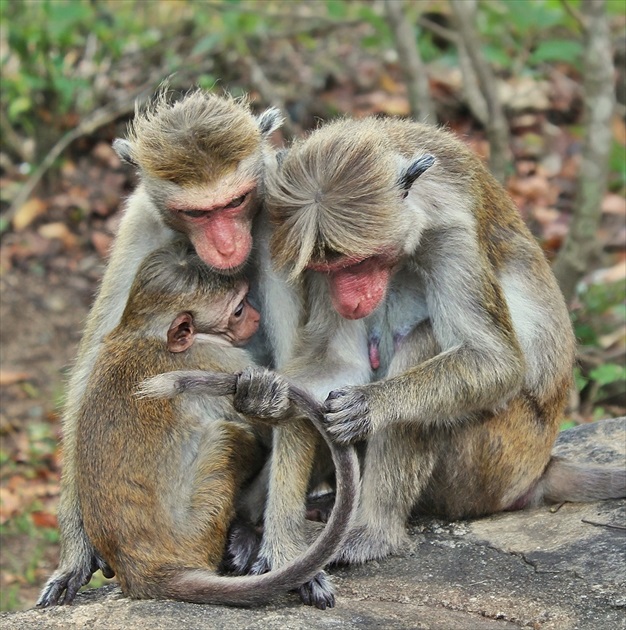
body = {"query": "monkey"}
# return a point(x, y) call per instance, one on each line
point(201, 162)
point(434, 330)
point(157, 476)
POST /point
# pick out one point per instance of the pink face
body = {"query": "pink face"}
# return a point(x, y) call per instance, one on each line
point(220, 231)
point(357, 287)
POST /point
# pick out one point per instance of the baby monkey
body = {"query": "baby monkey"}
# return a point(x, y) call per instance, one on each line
point(159, 476)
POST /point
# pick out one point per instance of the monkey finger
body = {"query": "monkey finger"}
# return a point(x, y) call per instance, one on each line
point(262, 393)
point(72, 589)
point(52, 592)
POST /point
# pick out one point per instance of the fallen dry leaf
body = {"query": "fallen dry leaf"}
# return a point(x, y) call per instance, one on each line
point(8, 377)
point(27, 213)
point(619, 129)
point(58, 231)
point(102, 243)
point(611, 274)
point(44, 519)
point(614, 204)
point(10, 502)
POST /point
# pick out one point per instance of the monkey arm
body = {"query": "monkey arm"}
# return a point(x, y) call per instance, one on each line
point(439, 392)
point(481, 365)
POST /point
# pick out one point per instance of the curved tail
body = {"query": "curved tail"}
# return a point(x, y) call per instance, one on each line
point(200, 586)
point(564, 480)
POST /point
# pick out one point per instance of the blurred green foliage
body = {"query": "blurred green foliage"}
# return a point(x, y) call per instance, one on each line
point(56, 48)
point(602, 311)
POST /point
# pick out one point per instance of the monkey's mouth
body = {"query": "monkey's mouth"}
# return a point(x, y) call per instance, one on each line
point(358, 289)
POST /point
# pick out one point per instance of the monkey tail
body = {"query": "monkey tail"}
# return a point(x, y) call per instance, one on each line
point(172, 384)
point(204, 587)
point(568, 481)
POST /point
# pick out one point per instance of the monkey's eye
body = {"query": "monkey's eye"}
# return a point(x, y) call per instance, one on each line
point(405, 194)
point(194, 214)
point(235, 203)
point(239, 310)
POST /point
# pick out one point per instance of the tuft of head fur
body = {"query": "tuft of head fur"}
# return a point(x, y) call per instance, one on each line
point(341, 190)
point(335, 193)
point(170, 275)
point(195, 140)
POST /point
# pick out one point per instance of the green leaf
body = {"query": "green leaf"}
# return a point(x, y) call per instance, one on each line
point(608, 373)
point(206, 81)
point(19, 106)
point(337, 9)
point(580, 379)
point(206, 44)
point(498, 56)
point(567, 424)
point(556, 50)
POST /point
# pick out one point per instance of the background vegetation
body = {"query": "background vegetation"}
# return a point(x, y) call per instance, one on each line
point(513, 78)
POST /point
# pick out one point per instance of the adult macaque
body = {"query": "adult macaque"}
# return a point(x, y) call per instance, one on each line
point(201, 161)
point(418, 273)
point(157, 476)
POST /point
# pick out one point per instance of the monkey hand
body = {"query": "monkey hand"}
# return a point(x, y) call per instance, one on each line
point(348, 417)
point(262, 394)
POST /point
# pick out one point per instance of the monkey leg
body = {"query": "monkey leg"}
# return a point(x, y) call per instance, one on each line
point(398, 465)
point(490, 463)
point(79, 559)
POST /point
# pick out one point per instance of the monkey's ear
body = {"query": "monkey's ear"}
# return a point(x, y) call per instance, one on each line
point(415, 168)
point(124, 150)
point(181, 333)
point(270, 120)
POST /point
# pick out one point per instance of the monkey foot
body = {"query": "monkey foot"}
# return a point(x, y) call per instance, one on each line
point(69, 581)
point(320, 508)
point(363, 544)
point(260, 566)
point(318, 592)
point(243, 547)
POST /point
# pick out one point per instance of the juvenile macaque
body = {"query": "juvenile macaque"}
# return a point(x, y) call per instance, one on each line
point(420, 275)
point(201, 161)
point(158, 475)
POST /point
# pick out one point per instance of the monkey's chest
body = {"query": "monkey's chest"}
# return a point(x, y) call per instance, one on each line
point(404, 308)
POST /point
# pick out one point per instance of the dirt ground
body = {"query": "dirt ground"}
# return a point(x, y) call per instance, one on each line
point(41, 317)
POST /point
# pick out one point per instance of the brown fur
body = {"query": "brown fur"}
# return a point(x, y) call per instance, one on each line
point(192, 141)
point(141, 514)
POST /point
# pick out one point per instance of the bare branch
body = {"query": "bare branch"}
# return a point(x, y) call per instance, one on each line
point(574, 13)
point(437, 29)
point(97, 119)
point(497, 127)
point(413, 68)
point(13, 142)
point(269, 93)
point(581, 245)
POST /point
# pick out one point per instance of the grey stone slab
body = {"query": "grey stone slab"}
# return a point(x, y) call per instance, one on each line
point(558, 568)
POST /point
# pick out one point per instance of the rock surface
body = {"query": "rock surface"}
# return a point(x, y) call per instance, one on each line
point(548, 569)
